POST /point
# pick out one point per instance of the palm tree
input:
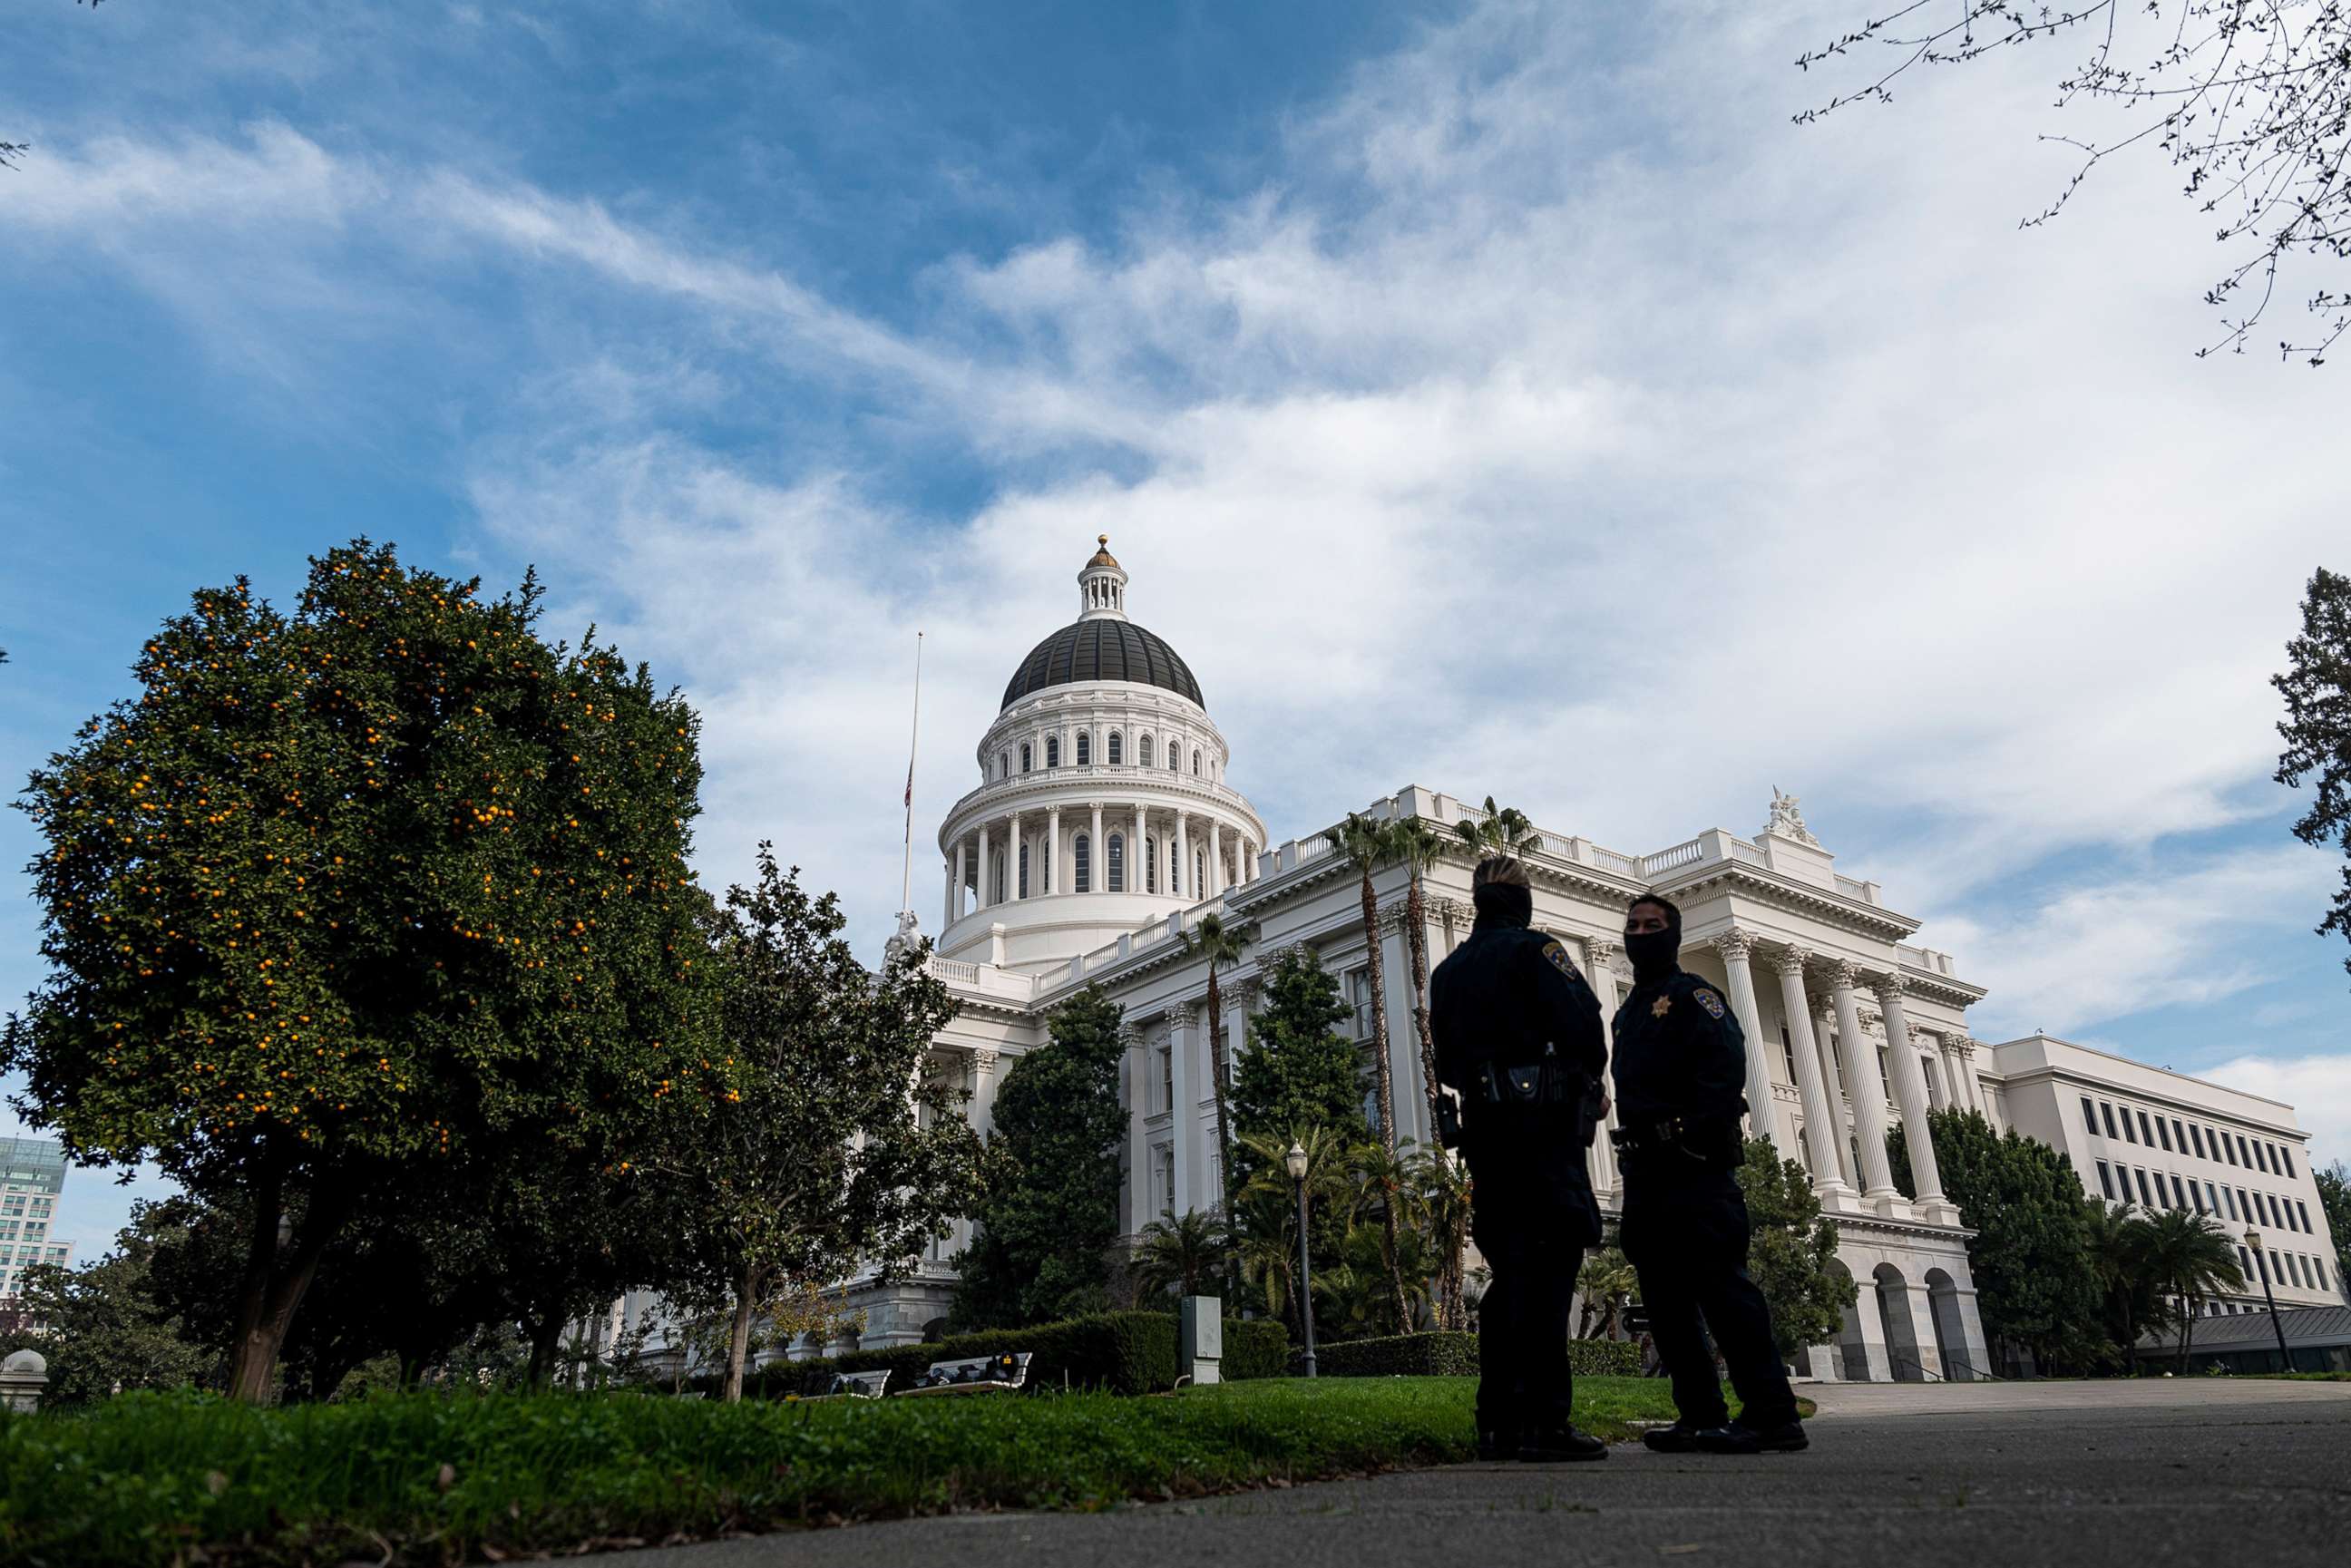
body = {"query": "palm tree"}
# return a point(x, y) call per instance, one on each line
point(1267, 1250)
point(1440, 1186)
point(1370, 844)
point(1220, 945)
point(2116, 1240)
point(1331, 1185)
point(2190, 1257)
point(1180, 1253)
point(1503, 831)
point(1608, 1282)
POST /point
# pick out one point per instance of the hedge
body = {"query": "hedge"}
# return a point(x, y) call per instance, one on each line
point(1122, 1353)
point(1456, 1355)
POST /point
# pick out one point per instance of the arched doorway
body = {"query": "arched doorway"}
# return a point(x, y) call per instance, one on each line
point(1902, 1351)
point(1852, 1344)
point(1950, 1329)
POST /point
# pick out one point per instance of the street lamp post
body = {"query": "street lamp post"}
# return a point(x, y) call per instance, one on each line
point(2261, 1267)
point(1295, 1162)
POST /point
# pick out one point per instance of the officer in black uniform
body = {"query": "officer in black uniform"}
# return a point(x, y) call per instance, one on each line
point(1517, 1034)
point(1681, 1071)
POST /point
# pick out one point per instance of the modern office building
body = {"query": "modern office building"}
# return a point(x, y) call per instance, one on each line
point(2161, 1140)
point(32, 1176)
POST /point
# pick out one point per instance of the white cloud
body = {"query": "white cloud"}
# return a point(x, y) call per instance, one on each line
point(2317, 1086)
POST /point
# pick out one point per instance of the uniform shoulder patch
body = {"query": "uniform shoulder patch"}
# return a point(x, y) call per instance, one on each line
point(1556, 952)
point(1707, 999)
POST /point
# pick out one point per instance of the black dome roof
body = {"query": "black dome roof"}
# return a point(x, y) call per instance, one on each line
point(1103, 649)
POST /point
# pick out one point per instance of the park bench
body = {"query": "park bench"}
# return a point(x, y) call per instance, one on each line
point(852, 1385)
point(979, 1374)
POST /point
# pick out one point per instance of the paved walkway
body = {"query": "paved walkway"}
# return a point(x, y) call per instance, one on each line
point(2190, 1471)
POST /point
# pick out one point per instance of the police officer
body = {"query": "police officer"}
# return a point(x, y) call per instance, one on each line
point(1680, 1070)
point(1517, 1034)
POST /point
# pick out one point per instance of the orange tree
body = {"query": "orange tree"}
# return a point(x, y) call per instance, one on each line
point(348, 897)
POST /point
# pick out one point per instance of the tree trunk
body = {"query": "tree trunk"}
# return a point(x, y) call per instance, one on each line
point(546, 1337)
point(739, 1337)
point(1450, 1310)
point(2186, 1328)
point(1384, 1076)
point(274, 1283)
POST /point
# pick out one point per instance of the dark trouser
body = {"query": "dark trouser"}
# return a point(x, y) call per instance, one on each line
point(1524, 1385)
point(1684, 1232)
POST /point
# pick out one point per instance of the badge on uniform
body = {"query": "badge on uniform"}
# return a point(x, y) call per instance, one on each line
point(1661, 1006)
point(1710, 1001)
point(1560, 960)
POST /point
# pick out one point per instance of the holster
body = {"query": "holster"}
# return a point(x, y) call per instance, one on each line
point(1693, 1143)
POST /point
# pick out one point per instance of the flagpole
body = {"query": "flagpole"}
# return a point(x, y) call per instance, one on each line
point(914, 742)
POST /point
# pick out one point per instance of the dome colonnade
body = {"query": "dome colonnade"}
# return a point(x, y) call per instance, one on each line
point(1101, 789)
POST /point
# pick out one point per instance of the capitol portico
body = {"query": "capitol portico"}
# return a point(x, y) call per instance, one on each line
point(1103, 828)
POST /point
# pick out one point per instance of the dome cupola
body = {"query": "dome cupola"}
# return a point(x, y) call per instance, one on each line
point(1102, 585)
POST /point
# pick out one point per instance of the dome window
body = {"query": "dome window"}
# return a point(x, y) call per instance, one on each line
point(1115, 851)
point(1196, 762)
point(1024, 757)
point(1085, 750)
point(1082, 865)
point(1113, 751)
point(1151, 865)
point(1144, 757)
point(1052, 751)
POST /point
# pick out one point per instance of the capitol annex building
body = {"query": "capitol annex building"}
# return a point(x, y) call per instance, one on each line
point(1105, 818)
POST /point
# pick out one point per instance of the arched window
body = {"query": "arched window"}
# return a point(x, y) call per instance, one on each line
point(1174, 867)
point(1175, 757)
point(1151, 865)
point(1085, 750)
point(1115, 850)
point(1024, 871)
point(1199, 872)
point(1144, 756)
point(1113, 749)
point(1196, 762)
point(1004, 765)
point(1082, 862)
point(1052, 751)
point(1024, 757)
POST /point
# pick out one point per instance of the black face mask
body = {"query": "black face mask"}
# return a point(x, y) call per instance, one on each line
point(1656, 954)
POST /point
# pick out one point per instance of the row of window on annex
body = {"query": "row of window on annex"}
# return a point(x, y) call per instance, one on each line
point(2244, 1205)
point(2173, 1135)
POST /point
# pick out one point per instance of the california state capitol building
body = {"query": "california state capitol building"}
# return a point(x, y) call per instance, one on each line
point(1103, 822)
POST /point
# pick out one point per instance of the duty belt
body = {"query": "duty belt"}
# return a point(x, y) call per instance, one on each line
point(1686, 1136)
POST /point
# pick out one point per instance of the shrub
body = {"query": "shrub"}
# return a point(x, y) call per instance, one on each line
point(1456, 1355)
point(1255, 1347)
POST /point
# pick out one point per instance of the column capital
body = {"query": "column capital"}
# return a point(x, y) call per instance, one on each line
point(1961, 1043)
point(1602, 950)
point(1890, 984)
point(1791, 959)
point(1184, 1015)
point(982, 1059)
point(1130, 1035)
point(1735, 945)
point(1843, 974)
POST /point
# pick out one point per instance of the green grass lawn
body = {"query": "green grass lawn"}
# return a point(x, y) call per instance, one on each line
point(143, 1478)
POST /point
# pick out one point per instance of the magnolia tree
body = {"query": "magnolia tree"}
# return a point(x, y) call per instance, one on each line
point(829, 1146)
point(349, 896)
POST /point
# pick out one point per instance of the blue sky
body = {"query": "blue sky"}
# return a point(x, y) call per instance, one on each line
point(1504, 398)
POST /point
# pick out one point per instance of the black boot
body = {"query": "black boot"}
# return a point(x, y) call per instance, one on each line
point(1739, 1437)
point(1495, 1445)
point(1562, 1447)
point(1681, 1437)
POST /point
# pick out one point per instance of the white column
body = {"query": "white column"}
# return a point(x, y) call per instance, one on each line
point(1598, 951)
point(1097, 858)
point(1138, 865)
point(1184, 1119)
point(982, 900)
point(983, 1091)
point(1909, 1091)
point(1824, 1133)
point(1138, 1141)
point(1965, 1050)
point(1012, 848)
point(1762, 1105)
point(1215, 858)
point(1182, 878)
point(1404, 1038)
point(1869, 1122)
point(948, 872)
point(1053, 849)
point(955, 902)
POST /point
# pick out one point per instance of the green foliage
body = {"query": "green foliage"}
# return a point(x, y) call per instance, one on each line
point(1049, 1216)
point(1182, 1255)
point(2190, 1257)
point(1255, 1347)
point(2334, 1203)
point(1790, 1251)
point(2036, 1287)
point(1455, 1355)
point(1298, 1072)
point(1503, 830)
point(352, 896)
point(2317, 686)
point(816, 1156)
point(103, 1326)
point(151, 1479)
